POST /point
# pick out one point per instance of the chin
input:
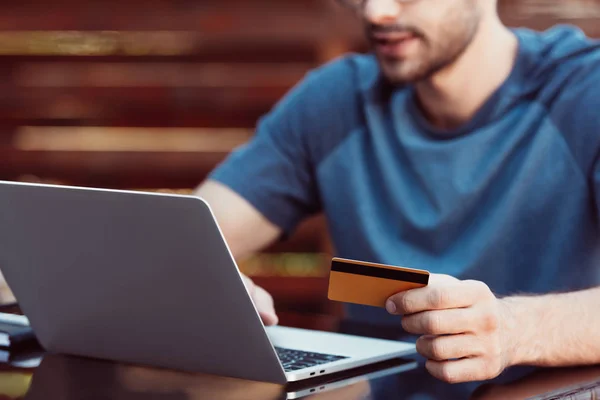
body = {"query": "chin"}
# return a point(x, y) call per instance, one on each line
point(393, 75)
point(403, 72)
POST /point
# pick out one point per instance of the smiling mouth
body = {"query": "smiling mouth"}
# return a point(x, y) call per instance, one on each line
point(392, 43)
point(392, 36)
point(389, 38)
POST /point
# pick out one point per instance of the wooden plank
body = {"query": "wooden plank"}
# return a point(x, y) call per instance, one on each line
point(543, 14)
point(307, 295)
point(46, 100)
point(138, 119)
point(147, 106)
point(157, 45)
point(589, 26)
point(559, 9)
point(110, 169)
point(85, 138)
point(291, 19)
point(318, 320)
point(152, 74)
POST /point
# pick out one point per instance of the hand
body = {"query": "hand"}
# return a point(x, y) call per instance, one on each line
point(263, 302)
point(465, 328)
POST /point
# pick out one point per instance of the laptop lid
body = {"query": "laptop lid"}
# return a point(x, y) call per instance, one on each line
point(130, 276)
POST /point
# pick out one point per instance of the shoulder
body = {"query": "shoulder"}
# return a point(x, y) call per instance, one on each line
point(561, 58)
point(326, 105)
point(561, 43)
point(563, 76)
point(336, 84)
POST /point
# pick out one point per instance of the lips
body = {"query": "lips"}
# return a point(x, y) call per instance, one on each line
point(392, 36)
point(393, 44)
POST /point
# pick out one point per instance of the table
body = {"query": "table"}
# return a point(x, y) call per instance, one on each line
point(69, 378)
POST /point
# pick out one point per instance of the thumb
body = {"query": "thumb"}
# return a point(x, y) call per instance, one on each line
point(265, 306)
point(268, 318)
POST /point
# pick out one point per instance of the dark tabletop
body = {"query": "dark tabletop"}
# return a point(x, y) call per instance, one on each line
point(68, 378)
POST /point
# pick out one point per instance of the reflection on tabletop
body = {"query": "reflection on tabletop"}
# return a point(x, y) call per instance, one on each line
point(542, 383)
point(68, 378)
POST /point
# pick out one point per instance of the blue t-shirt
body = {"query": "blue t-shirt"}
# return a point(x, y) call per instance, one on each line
point(509, 198)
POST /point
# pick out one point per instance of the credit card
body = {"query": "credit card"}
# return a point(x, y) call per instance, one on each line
point(371, 284)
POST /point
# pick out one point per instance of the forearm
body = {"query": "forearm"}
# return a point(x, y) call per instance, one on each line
point(555, 329)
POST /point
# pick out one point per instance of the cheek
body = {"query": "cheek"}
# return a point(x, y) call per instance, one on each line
point(445, 22)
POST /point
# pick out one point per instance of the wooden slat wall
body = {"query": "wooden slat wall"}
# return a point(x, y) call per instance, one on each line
point(155, 64)
point(172, 64)
point(148, 64)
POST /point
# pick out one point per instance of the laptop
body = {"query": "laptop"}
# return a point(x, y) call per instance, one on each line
point(349, 379)
point(148, 278)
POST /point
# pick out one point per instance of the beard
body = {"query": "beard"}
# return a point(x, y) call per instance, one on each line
point(418, 56)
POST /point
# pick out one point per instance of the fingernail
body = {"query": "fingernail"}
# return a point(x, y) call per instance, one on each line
point(390, 307)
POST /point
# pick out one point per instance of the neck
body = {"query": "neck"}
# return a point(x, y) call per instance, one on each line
point(453, 95)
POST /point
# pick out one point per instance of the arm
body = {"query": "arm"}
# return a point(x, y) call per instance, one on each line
point(267, 186)
point(246, 231)
point(557, 329)
point(468, 334)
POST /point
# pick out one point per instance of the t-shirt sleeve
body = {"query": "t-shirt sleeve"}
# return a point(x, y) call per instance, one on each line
point(275, 170)
point(581, 119)
point(574, 95)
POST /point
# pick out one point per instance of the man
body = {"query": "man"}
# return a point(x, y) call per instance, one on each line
point(460, 147)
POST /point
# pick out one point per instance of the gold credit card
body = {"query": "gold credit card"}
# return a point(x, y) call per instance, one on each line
point(371, 284)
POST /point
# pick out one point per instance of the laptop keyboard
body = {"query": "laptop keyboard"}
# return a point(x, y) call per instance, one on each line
point(293, 360)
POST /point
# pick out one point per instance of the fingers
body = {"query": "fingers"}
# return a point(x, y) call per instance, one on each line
point(457, 294)
point(264, 304)
point(248, 283)
point(461, 322)
point(268, 319)
point(441, 348)
point(262, 300)
point(442, 322)
point(464, 370)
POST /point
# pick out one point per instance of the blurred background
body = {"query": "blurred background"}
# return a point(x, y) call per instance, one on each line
point(151, 95)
